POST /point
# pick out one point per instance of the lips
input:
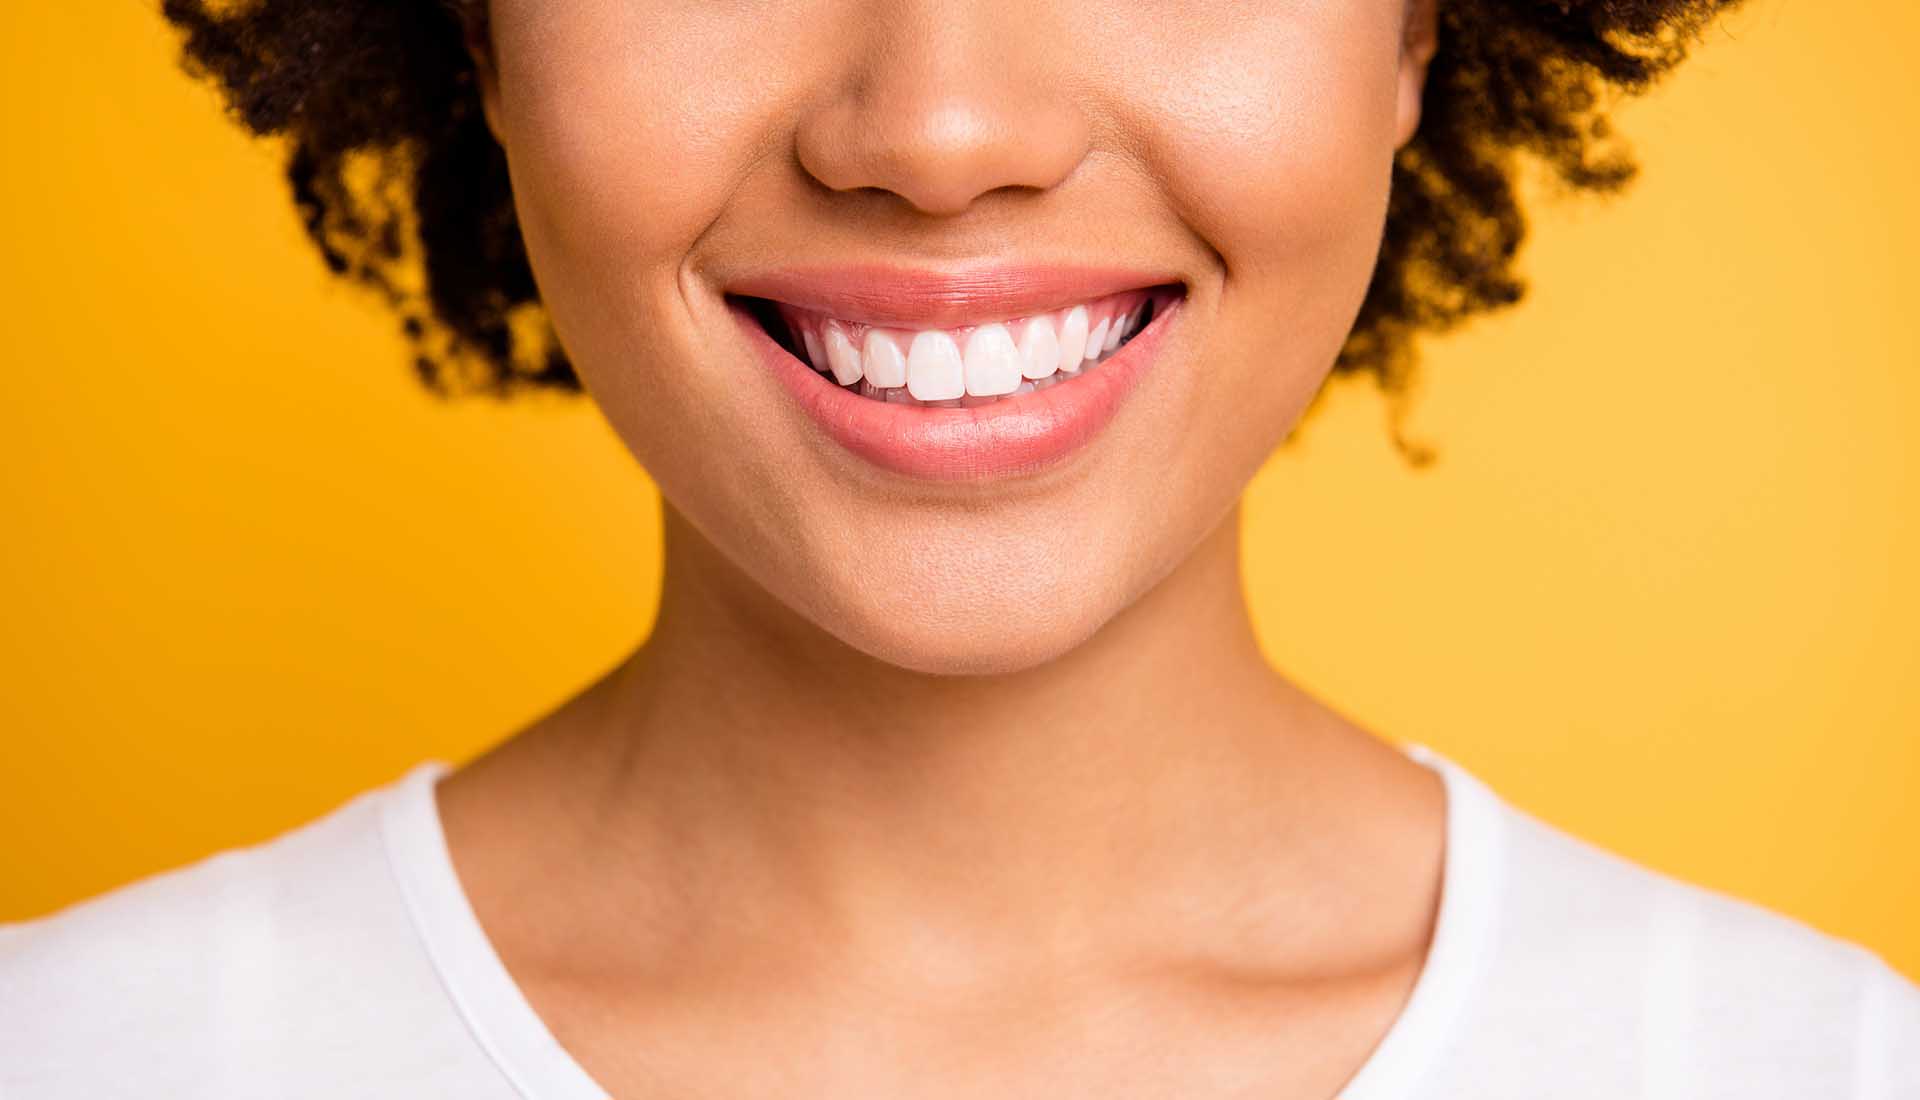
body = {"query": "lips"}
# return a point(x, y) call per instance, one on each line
point(908, 298)
point(1027, 429)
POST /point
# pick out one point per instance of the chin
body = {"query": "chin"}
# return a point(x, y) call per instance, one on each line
point(993, 653)
point(962, 630)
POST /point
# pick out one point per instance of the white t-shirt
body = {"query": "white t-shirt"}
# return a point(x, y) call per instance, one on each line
point(341, 959)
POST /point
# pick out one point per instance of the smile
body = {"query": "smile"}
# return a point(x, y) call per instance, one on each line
point(965, 375)
point(961, 367)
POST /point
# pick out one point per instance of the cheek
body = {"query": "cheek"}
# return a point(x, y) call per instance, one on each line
point(1277, 147)
point(623, 148)
point(1279, 143)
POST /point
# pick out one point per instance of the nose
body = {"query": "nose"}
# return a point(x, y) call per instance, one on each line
point(940, 103)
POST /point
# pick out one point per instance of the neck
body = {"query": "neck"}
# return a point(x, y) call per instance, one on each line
point(742, 753)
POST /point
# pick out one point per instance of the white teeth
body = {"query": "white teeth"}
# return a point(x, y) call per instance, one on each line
point(1097, 339)
point(842, 356)
point(935, 371)
point(880, 355)
point(1039, 348)
point(1073, 338)
point(992, 362)
point(969, 366)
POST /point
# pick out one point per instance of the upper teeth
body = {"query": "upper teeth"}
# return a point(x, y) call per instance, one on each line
point(986, 360)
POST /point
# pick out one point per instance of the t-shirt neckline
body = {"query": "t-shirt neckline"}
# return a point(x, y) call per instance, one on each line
point(525, 1051)
point(495, 1009)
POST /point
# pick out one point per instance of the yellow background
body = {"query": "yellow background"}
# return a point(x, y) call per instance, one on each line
point(1659, 590)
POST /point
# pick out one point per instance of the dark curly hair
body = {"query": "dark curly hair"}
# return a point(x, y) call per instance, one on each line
point(404, 189)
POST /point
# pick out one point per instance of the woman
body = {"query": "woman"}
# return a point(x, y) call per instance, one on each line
point(951, 334)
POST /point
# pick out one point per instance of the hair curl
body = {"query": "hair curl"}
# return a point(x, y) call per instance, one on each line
point(403, 188)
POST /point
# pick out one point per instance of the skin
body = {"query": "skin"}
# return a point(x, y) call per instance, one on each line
point(951, 790)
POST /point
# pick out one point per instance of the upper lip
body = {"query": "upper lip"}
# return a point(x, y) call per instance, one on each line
point(909, 297)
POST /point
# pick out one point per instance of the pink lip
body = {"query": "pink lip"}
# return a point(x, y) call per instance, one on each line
point(902, 297)
point(1009, 437)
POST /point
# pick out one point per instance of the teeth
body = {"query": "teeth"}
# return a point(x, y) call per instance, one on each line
point(815, 354)
point(1073, 338)
point(885, 365)
point(935, 371)
point(992, 362)
point(1097, 339)
point(842, 356)
point(1039, 349)
point(970, 366)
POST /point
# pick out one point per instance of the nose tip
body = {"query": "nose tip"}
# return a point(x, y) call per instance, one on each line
point(941, 116)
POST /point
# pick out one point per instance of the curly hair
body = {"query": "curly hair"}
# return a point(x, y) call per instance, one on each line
point(401, 185)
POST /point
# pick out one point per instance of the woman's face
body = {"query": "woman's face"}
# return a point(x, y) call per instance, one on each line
point(1004, 161)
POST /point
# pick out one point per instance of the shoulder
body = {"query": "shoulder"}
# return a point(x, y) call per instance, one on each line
point(1693, 989)
point(238, 969)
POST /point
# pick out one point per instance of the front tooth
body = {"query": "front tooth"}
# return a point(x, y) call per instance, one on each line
point(935, 371)
point(842, 356)
point(992, 362)
point(816, 355)
point(1039, 349)
point(1073, 338)
point(881, 359)
point(1097, 339)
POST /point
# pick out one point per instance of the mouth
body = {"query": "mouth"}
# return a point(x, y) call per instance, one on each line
point(965, 366)
point(974, 375)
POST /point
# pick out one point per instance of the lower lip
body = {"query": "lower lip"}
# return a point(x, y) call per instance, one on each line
point(1016, 435)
